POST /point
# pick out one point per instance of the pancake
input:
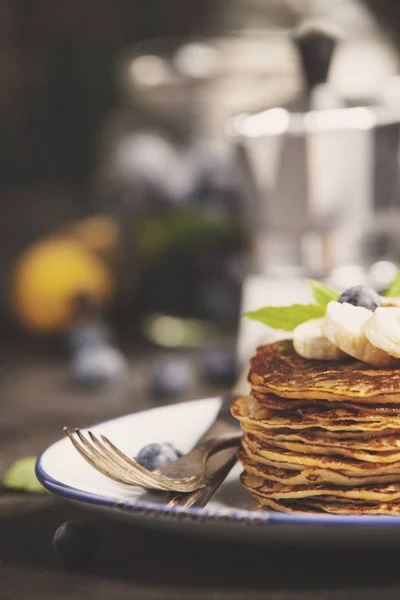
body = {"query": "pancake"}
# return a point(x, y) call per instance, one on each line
point(322, 503)
point(320, 436)
point(323, 434)
point(310, 475)
point(378, 450)
point(375, 476)
point(317, 442)
point(348, 508)
point(277, 368)
point(272, 402)
point(388, 492)
point(248, 411)
point(335, 413)
point(340, 463)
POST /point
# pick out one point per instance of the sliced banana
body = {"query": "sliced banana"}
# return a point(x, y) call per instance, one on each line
point(387, 301)
point(382, 329)
point(343, 325)
point(310, 342)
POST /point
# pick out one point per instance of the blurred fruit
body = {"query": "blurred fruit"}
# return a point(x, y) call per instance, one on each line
point(172, 377)
point(97, 364)
point(147, 165)
point(21, 476)
point(47, 278)
point(216, 177)
point(220, 367)
point(86, 335)
point(381, 275)
point(183, 228)
point(171, 332)
point(155, 456)
point(99, 234)
point(76, 542)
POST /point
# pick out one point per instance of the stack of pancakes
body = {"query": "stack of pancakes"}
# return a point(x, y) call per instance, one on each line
point(320, 436)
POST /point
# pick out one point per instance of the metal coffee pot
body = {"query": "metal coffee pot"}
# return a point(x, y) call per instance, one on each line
point(320, 174)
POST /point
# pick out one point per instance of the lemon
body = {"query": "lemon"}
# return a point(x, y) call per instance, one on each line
point(50, 275)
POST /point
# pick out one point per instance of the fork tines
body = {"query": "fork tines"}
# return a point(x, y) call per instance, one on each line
point(106, 458)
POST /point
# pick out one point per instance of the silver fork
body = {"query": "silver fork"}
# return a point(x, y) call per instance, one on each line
point(186, 474)
point(110, 461)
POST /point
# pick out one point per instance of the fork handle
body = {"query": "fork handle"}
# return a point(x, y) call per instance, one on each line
point(224, 431)
point(201, 496)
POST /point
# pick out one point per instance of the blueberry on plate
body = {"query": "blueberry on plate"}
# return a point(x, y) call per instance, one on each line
point(220, 367)
point(154, 456)
point(360, 295)
point(76, 542)
point(172, 377)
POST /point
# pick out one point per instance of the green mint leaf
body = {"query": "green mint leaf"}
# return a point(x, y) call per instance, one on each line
point(286, 317)
point(394, 288)
point(21, 476)
point(323, 294)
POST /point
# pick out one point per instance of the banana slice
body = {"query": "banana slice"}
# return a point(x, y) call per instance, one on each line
point(343, 326)
point(390, 301)
point(310, 342)
point(383, 330)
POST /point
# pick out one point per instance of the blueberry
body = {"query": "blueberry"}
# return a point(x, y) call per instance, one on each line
point(216, 177)
point(172, 377)
point(220, 367)
point(154, 456)
point(151, 163)
point(88, 334)
point(360, 295)
point(95, 365)
point(76, 542)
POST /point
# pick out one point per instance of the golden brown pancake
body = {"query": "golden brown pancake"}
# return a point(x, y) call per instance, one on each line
point(273, 402)
point(320, 440)
point(327, 503)
point(319, 433)
point(277, 368)
point(335, 412)
point(341, 463)
point(348, 508)
point(387, 492)
point(379, 451)
point(248, 411)
point(311, 475)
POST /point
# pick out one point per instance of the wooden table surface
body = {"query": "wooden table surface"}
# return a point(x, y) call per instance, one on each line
point(36, 400)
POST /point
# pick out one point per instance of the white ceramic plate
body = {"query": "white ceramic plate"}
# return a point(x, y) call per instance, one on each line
point(229, 515)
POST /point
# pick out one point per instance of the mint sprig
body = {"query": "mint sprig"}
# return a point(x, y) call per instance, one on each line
point(21, 476)
point(394, 288)
point(288, 318)
point(323, 294)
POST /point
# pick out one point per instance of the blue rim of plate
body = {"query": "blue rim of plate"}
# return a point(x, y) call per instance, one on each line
point(239, 516)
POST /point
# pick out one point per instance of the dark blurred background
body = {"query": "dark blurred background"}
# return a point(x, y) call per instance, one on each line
point(56, 66)
point(59, 92)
